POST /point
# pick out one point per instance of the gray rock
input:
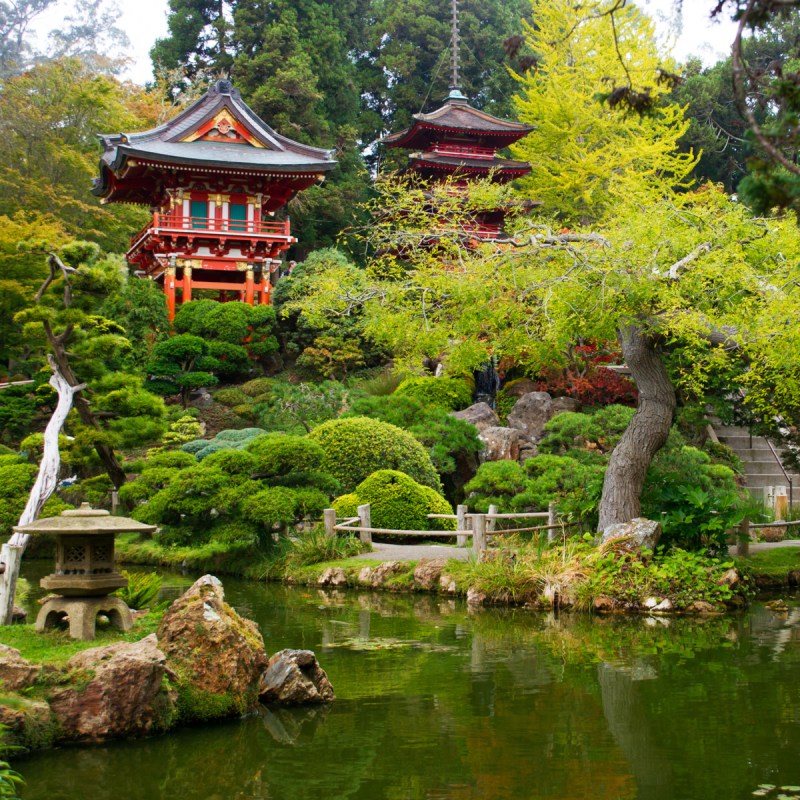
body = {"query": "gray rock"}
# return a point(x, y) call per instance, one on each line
point(333, 576)
point(520, 388)
point(480, 415)
point(15, 672)
point(294, 677)
point(201, 398)
point(501, 444)
point(530, 413)
point(641, 532)
point(561, 404)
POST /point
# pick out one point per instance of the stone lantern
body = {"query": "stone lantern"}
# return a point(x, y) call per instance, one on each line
point(85, 573)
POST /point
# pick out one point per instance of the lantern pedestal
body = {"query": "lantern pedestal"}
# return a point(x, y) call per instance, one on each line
point(82, 613)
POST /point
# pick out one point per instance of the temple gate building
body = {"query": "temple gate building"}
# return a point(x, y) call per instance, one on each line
point(213, 177)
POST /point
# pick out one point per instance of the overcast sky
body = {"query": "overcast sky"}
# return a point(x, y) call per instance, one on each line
point(146, 20)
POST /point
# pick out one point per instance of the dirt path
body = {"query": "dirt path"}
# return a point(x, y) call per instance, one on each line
point(758, 547)
point(382, 551)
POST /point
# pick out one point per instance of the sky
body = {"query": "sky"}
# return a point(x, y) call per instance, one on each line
point(146, 20)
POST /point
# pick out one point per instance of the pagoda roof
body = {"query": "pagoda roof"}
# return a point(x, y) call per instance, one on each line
point(217, 132)
point(513, 169)
point(458, 117)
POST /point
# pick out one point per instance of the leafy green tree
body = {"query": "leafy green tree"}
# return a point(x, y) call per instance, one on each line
point(50, 115)
point(182, 364)
point(585, 154)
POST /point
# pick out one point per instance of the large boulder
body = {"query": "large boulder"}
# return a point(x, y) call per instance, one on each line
point(502, 444)
point(15, 672)
point(428, 572)
point(639, 532)
point(294, 677)
point(561, 404)
point(117, 690)
point(530, 413)
point(216, 655)
point(481, 415)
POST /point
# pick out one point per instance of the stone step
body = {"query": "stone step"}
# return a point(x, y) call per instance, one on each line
point(760, 481)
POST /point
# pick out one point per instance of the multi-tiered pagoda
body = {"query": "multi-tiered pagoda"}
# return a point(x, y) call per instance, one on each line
point(460, 143)
point(213, 177)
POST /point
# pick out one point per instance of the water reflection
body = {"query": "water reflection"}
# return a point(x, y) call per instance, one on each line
point(441, 703)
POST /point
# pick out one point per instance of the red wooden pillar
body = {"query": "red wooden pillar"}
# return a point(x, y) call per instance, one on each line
point(264, 288)
point(169, 291)
point(248, 287)
point(187, 285)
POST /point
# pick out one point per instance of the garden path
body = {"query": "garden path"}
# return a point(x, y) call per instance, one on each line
point(383, 551)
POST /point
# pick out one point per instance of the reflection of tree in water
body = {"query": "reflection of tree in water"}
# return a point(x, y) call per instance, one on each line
point(490, 705)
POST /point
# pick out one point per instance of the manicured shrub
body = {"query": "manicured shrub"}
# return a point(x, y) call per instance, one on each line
point(195, 446)
point(397, 502)
point(495, 483)
point(270, 507)
point(258, 387)
point(232, 462)
point(278, 454)
point(231, 397)
point(173, 459)
point(450, 393)
point(354, 448)
point(239, 435)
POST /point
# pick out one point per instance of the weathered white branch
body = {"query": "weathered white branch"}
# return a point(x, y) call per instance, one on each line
point(675, 269)
point(44, 486)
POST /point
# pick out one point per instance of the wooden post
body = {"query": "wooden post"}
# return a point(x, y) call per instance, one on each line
point(186, 297)
point(249, 287)
point(743, 545)
point(364, 522)
point(478, 533)
point(264, 287)
point(491, 524)
point(169, 291)
point(551, 522)
point(114, 501)
point(461, 525)
point(329, 518)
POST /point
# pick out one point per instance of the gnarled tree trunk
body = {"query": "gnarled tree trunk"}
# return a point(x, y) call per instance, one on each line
point(649, 428)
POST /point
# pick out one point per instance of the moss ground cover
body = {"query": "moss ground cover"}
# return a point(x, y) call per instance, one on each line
point(56, 647)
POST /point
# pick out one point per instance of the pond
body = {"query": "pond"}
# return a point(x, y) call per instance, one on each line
point(439, 702)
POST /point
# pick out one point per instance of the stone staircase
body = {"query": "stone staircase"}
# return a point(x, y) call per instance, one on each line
point(761, 469)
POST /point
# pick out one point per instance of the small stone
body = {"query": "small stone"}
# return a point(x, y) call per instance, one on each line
point(447, 584)
point(701, 607)
point(730, 577)
point(294, 677)
point(475, 597)
point(603, 603)
point(15, 672)
point(384, 571)
point(663, 606)
point(333, 576)
point(365, 576)
point(651, 602)
point(641, 532)
point(428, 571)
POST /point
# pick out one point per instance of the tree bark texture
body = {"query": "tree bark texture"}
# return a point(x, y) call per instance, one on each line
point(647, 432)
point(43, 487)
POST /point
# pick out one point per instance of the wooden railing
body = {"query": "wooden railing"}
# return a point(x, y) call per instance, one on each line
point(479, 527)
point(180, 222)
point(464, 151)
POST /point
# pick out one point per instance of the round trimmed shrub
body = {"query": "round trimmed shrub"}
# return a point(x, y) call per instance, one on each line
point(239, 435)
point(231, 397)
point(356, 447)
point(231, 462)
point(398, 502)
point(195, 446)
point(258, 387)
point(280, 454)
point(450, 393)
point(171, 459)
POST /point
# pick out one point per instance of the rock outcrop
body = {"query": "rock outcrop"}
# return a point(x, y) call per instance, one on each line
point(640, 532)
point(530, 413)
point(500, 444)
point(428, 573)
point(216, 655)
point(294, 677)
point(15, 672)
point(480, 415)
point(204, 662)
point(117, 690)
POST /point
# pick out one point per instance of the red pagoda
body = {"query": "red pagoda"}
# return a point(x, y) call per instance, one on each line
point(213, 176)
point(460, 142)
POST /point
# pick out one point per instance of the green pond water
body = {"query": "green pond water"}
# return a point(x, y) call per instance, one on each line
point(438, 702)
